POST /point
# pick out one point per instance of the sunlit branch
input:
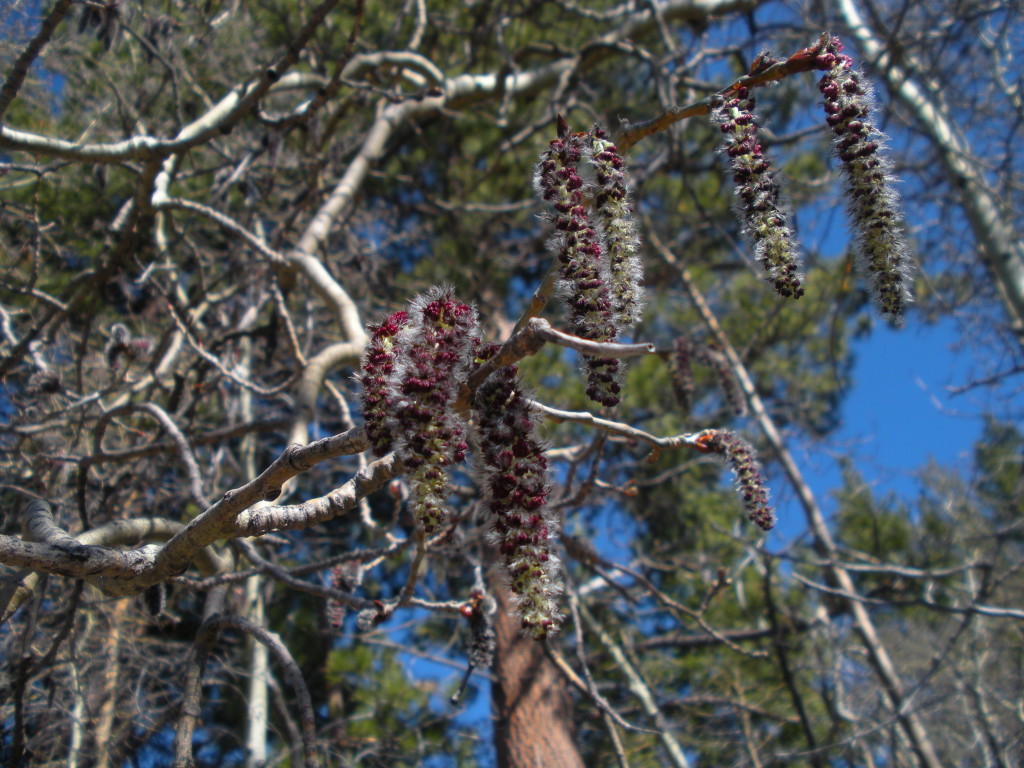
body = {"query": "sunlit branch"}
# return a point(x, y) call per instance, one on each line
point(618, 428)
point(229, 111)
point(529, 339)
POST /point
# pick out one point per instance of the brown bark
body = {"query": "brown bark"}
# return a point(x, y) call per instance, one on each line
point(534, 726)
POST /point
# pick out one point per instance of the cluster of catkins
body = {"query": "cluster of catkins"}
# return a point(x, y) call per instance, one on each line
point(873, 204)
point(411, 373)
point(416, 359)
point(597, 246)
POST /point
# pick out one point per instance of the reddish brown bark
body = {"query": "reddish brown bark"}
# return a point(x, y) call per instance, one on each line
point(534, 726)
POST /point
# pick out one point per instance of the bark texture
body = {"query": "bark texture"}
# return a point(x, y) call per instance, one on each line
point(534, 726)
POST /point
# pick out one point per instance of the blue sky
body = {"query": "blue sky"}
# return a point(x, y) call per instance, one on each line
point(897, 416)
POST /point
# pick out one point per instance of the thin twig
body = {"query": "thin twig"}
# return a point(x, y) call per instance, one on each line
point(801, 61)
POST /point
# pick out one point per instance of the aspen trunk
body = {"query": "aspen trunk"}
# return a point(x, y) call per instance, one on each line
point(533, 714)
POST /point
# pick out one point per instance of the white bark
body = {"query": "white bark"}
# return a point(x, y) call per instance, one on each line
point(259, 667)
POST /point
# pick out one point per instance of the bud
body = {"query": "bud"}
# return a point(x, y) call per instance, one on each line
point(872, 202)
point(758, 195)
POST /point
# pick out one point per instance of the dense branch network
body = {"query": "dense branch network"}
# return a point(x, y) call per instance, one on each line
point(415, 357)
point(438, 403)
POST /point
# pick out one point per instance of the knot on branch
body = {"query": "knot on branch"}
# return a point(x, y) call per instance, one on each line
point(295, 458)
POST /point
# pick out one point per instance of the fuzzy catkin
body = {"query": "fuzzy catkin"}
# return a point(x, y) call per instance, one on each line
point(514, 470)
point(436, 347)
point(377, 377)
point(584, 275)
point(618, 230)
point(759, 196)
point(410, 374)
point(872, 202)
point(746, 469)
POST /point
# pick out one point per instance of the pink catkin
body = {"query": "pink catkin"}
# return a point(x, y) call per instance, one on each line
point(435, 354)
point(759, 195)
point(377, 378)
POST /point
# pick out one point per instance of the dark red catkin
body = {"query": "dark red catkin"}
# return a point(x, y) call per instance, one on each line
point(514, 469)
point(584, 275)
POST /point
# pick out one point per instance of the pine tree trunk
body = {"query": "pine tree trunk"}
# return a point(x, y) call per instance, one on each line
point(534, 727)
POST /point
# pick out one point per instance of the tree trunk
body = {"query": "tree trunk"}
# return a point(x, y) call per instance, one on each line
point(534, 727)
